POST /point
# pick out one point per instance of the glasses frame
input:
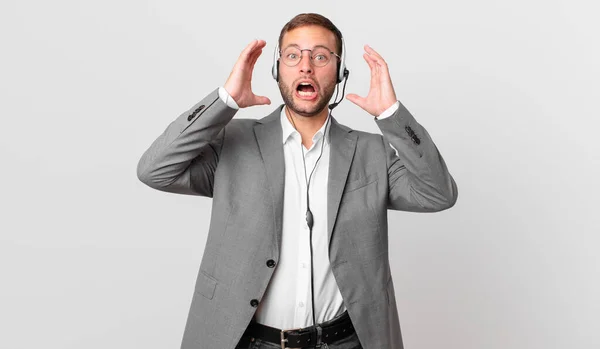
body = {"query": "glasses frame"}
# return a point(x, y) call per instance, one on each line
point(309, 56)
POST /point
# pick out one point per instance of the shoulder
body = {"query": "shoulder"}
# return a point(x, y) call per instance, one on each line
point(240, 126)
point(362, 137)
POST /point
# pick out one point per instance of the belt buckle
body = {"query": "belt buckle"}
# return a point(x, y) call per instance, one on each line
point(283, 339)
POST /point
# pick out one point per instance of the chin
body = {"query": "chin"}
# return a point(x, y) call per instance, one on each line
point(301, 108)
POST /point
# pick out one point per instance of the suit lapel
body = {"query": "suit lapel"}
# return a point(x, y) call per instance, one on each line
point(342, 147)
point(269, 137)
point(268, 134)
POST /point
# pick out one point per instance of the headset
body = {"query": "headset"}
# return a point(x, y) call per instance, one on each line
point(342, 71)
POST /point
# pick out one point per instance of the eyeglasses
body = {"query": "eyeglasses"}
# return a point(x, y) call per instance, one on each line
point(319, 56)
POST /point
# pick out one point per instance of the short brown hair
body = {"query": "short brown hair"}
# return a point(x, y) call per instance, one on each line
point(305, 19)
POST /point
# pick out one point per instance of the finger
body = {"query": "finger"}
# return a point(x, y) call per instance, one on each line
point(251, 49)
point(260, 44)
point(259, 100)
point(377, 58)
point(371, 62)
point(374, 61)
point(257, 51)
point(374, 68)
point(248, 63)
point(254, 58)
point(382, 70)
point(374, 53)
point(248, 48)
point(249, 54)
point(356, 99)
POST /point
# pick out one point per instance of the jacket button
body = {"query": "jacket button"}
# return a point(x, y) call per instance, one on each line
point(190, 117)
point(416, 139)
point(254, 303)
point(270, 263)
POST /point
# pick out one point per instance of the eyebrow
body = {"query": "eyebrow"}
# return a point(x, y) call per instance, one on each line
point(314, 47)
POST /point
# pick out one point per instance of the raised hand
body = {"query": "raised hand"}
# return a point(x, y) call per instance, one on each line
point(381, 93)
point(239, 82)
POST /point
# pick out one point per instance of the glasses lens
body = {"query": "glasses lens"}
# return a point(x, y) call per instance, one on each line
point(292, 56)
point(320, 57)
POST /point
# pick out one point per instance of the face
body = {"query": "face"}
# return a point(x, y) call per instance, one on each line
point(302, 100)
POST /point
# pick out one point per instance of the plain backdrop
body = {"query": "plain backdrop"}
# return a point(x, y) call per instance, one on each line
point(91, 258)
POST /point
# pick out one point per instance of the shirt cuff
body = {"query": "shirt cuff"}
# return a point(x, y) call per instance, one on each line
point(388, 112)
point(226, 98)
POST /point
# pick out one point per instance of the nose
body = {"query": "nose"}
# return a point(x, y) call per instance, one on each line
point(305, 64)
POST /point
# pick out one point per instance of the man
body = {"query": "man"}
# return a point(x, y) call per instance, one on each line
point(298, 232)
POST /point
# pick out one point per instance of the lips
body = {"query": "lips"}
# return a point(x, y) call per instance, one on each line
point(306, 89)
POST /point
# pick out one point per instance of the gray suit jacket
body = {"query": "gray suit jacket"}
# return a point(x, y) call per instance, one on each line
point(240, 164)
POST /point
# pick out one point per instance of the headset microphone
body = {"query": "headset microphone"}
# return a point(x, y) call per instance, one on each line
point(335, 104)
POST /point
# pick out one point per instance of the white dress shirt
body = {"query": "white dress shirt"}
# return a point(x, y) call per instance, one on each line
point(286, 303)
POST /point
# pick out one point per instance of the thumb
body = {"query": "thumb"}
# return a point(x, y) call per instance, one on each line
point(259, 100)
point(356, 99)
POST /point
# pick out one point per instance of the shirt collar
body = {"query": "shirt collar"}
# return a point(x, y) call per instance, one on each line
point(289, 130)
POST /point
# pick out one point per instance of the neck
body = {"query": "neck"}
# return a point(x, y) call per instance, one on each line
point(307, 126)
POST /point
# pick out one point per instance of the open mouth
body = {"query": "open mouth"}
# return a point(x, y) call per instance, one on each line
point(306, 90)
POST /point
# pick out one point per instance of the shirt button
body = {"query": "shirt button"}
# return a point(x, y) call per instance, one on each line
point(303, 265)
point(254, 303)
point(301, 304)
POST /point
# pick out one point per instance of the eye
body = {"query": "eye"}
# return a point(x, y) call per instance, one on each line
point(320, 57)
point(292, 56)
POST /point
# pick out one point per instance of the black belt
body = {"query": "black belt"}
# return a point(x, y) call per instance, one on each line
point(302, 337)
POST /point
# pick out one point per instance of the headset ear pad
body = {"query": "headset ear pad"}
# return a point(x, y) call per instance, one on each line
point(342, 71)
point(275, 70)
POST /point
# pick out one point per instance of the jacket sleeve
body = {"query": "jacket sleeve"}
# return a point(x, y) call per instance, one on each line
point(183, 159)
point(418, 178)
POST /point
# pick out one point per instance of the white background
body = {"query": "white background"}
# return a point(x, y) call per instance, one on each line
point(91, 258)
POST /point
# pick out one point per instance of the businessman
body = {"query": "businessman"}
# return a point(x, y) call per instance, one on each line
point(297, 249)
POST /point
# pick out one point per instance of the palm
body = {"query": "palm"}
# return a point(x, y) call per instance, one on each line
point(381, 94)
point(239, 83)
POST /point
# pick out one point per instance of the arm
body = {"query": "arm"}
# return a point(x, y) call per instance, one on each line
point(184, 157)
point(417, 176)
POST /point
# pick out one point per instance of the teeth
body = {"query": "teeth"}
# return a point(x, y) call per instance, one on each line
point(306, 94)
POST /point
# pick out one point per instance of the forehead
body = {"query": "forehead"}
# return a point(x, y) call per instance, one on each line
point(309, 36)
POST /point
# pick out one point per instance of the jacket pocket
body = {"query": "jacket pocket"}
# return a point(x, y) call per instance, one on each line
point(359, 183)
point(205, 285)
